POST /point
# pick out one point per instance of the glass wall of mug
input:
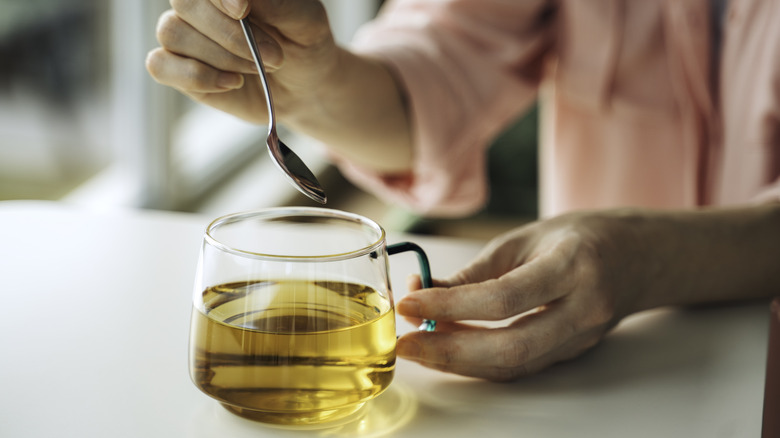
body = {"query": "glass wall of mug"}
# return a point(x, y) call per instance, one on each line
point(293, 319)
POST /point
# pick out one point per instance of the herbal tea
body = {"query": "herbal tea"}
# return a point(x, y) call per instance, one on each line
point(293, 352)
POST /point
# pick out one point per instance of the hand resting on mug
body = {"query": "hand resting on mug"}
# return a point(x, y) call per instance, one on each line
point(561, 284)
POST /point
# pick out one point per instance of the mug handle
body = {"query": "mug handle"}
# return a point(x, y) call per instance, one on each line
point(428, 325)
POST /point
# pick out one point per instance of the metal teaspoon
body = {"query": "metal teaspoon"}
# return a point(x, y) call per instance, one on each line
point(286, 160)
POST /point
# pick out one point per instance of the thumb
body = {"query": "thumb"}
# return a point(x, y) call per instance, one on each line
point(414, 282)
point(465, 293)
point(487, 266)
point(447, 299)
point(236, 9)
point(480, 269)
point(501, 255)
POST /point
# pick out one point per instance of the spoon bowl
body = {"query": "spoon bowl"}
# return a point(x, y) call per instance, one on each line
point(295, 169)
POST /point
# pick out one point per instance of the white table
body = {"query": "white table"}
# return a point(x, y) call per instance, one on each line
point(94, 328)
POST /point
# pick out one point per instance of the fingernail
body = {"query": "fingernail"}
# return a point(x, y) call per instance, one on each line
point(236, 8)
point(229, 81)
point(413, 282)
point(408, 349)
point(408, 307)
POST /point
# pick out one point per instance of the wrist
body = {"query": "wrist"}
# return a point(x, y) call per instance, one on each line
point(657, 268)
point(637, 245)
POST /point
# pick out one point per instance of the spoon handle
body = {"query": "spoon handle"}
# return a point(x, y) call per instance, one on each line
point(293, 167)
point(250, 39)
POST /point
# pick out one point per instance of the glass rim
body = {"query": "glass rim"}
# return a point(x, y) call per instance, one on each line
point(278, 212)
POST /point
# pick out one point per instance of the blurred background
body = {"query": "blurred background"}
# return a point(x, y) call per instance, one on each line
point(81, 121)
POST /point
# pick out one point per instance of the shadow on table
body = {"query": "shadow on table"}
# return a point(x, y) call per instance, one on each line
point(651, 359)
point(382, 416)
point(644, 371)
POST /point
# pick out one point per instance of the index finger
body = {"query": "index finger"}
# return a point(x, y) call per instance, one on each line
point(526, 287)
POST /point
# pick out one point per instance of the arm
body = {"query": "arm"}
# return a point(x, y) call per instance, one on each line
point(583, 272)
point(407, 112)
point(359, 113)
point(712, 255)
point(469, 68)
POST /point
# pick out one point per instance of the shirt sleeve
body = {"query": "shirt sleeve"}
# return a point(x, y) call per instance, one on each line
point(468, 68)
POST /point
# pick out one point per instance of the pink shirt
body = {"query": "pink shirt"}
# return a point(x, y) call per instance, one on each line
point(631, 112)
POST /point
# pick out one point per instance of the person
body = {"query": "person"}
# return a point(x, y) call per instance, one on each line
point(660, 151)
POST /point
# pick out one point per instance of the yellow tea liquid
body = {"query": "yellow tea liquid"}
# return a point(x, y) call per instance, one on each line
point(293, 352)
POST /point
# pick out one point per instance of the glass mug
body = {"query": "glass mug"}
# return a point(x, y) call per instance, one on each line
point(293, 319)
